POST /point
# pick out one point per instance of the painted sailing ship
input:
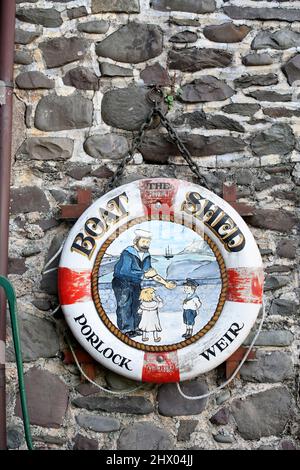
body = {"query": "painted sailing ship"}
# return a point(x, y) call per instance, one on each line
point(168, 253)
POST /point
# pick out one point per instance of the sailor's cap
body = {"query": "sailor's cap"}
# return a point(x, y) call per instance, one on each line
point(142, 233)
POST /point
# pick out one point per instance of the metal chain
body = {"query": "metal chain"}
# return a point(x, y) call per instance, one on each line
point(181, 147)
point(138, 140)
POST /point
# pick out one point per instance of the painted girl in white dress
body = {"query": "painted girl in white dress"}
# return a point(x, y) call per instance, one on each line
point(150, 303)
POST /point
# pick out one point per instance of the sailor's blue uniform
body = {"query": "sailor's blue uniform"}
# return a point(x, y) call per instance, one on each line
point(128, 275)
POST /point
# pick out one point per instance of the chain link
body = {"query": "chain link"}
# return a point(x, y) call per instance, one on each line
point(138, 140)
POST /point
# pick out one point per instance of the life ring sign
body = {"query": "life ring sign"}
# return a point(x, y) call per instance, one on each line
point(160, 280)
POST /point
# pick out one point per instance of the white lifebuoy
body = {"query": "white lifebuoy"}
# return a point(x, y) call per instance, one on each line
point(160, 280)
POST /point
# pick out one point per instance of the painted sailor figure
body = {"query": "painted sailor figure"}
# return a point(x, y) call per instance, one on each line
point(133, 266)
point(191, 306)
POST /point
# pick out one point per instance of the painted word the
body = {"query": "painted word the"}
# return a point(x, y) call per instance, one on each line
point(216, 219)
point(223, 342)
point(95, 227)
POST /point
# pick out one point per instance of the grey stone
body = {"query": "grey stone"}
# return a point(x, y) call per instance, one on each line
point(271, 338)
point(61, 51)
point(98, 423)
point(193, 59)
point(46, 148)
point(223, 438)
point(198, 119)
point(171, 403)
point(84, 443)
point(42, 304)
point(50, 18)
point(257, 59)
point(293, 195)
point(102, 172)
point(132, 43)
point(246, 81)
point(186, 428)
point(130, 404)
point(55, 440)
point(59, 195)
point(49, 281)
point(292, 69)
point(283, 307)
point(287, 248)
point(226, 32)
point(87, 389)
point(94, 27)
point(269, 367)
point(47, 224)
point(281, 39)
point(287, 444)
point(23, 58)
point(28, 199)
point(244, 177)
point(118, 382)
point(112, 70)
point(25, 37)
point(278, 268)
point(117, 6)
point(184, 21)
point(47, 397)
point(248, 13)
point(16, 266)
point(272, 219)
point(157, 148)
point(276, 282)
point(244, 109)
point(144, 436)
point(281, 112)
point(34, 80)
point(56, 113)
point(278, 139)
point(39, 339)
point(184, 37)
point(223, 397)
point(191, 6)
point(31, 250)
point(76, 12)
point(14, 437)
point(263, 414)
point(78, 171)
point(269, 95)
point(126, 108)
point(155, 75)
point(82, 78)
point(206, 88)
point(221, 417)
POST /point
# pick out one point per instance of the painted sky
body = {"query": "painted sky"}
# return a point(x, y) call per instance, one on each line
point(164, 234)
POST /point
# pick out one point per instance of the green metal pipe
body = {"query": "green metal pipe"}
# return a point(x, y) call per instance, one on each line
point(12, 302)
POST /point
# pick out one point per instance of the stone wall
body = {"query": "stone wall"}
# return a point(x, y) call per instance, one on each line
point(231, 72)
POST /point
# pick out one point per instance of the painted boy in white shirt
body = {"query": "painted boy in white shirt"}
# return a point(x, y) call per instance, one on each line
point(191, 306)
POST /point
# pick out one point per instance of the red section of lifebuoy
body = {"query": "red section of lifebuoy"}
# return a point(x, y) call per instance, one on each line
point(74, 286)
point(161, 367)
point(245, 285)
point(158, 202)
